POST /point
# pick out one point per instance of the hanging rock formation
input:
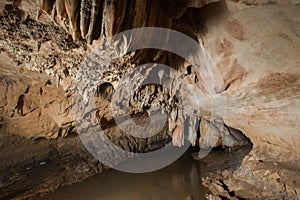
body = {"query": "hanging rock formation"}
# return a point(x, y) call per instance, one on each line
point(254, 44)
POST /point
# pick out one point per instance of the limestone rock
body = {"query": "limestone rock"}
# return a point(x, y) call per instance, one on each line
point(255, 45)
point(237, 5)
point(256, 51)
point(91, 19)
point(31, 105)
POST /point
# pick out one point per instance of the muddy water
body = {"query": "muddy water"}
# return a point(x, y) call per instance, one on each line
point(177, 181)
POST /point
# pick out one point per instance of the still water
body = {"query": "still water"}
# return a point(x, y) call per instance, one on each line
point(177, 181)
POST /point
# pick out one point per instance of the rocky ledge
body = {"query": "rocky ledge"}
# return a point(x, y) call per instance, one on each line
point(255, 46)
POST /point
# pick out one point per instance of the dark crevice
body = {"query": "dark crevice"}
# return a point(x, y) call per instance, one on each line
point(97, 30)
point(27, 90)
point(231, 193)
point(20, 104)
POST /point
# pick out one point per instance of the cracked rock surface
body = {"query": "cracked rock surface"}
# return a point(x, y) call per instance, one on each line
point(255, 46)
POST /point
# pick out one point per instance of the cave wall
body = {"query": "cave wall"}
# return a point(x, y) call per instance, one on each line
point(255, 52)
point(90, 18)
point(255, 49)
point(226, 36)
point(255, 45)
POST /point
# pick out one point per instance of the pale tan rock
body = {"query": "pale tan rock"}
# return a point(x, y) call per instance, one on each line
point(256, 51)
point(262, 100)
point(210, 135)
point(30, 106)
point(82, 16)
point(237, 5)
point(260, 69)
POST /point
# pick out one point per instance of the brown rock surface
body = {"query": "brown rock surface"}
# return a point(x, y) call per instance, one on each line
point(263, 98)
point(236, 5)
point(30, 99)
point(256, 51)
point(262, 51)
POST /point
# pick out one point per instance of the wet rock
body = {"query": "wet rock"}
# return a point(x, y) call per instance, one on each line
point(256, 52)
point(57, 163)
point(215, 134)
point(262, 100)
point(189, 197)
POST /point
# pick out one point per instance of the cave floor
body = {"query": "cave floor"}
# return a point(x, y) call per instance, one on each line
point(59, 169)
point(180, 180)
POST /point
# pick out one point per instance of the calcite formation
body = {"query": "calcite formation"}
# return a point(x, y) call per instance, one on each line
point(254, 45)
point(255, 51)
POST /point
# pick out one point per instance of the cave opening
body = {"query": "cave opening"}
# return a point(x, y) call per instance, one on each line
point(57, 99)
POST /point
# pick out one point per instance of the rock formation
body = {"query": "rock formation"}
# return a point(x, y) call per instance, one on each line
point(254, 44)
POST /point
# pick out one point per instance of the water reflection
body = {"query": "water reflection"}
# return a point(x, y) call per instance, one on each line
point(176, 181)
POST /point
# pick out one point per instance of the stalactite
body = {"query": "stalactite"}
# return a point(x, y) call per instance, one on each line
point(103, 17)
point(38, 9)
point(61, 10)
point(72, 8)
point(120, 8)
point(193, 125)
point(84, 17)
point(47, 5)
point(93, 19)
point(177, 135)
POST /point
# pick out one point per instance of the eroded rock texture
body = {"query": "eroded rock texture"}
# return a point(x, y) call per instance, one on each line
point(255, 46)
point(90, 18)
point(255, 51)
